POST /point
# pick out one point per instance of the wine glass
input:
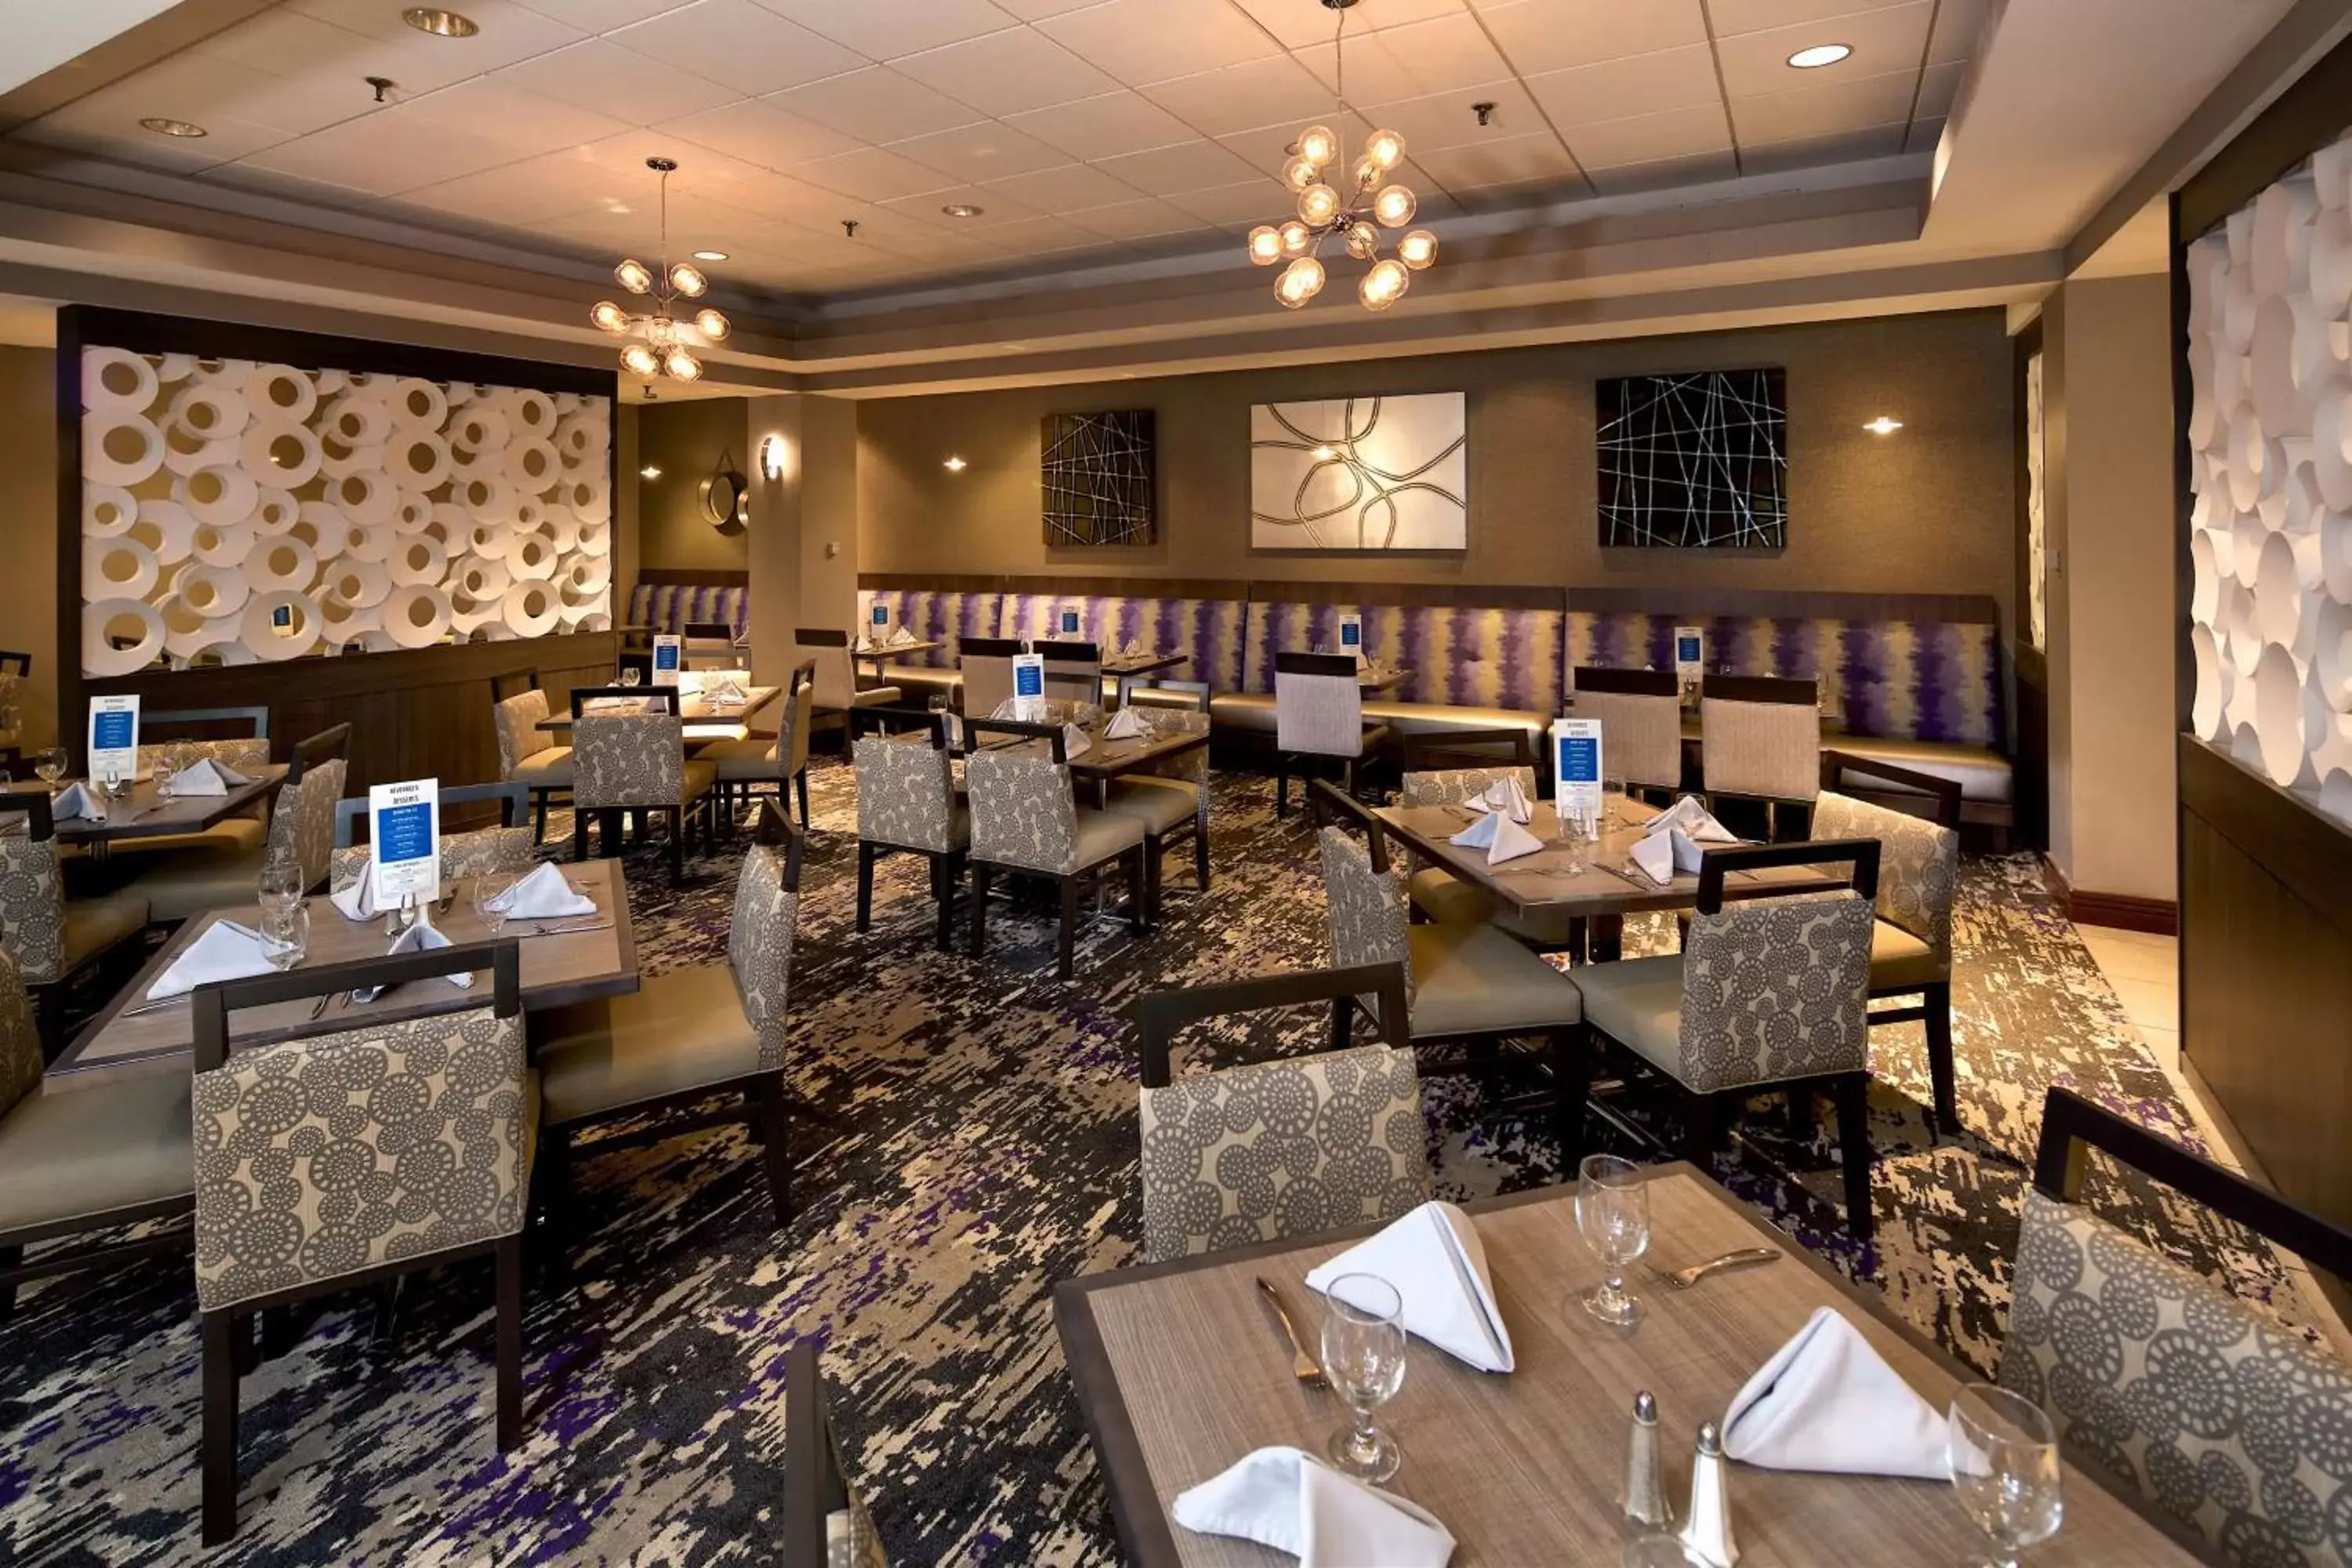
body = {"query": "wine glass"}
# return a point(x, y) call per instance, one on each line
point(1363, 1358)
point(281, 885)
point(631, 675)
point(1613, 800)
point(286, 936)
point(49, 764)
point(490, 888)
point(2004, 1456)
point(1612, 1212)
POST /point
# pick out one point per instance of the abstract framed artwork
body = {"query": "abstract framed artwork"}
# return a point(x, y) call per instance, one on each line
point(1360, 473)
point(1099, 473)
point(1697, 460)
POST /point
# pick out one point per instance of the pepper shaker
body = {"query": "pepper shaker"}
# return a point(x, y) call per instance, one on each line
point(1645, 1474)
point(1707, 1535)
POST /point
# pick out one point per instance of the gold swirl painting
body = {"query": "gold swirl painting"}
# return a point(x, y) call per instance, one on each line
point(1360, 473)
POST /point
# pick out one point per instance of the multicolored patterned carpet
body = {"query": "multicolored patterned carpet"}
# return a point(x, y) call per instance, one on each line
point(980, 1146)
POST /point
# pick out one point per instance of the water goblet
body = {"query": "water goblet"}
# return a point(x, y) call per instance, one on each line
point(286, 937)
point(489, 892)
point(49, 764)
point(1612, 1212)
point(631, 675)
point(1363, 1359)
point(281, 885)
point(2005, 1470)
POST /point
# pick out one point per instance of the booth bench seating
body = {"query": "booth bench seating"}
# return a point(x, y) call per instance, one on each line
point(669, 606)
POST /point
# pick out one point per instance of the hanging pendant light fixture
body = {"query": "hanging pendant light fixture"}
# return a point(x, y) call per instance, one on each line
point(1373, 202)
point(662, 344)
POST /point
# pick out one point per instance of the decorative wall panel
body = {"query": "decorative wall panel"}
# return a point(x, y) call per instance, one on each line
point(1696, 461)
point(1099, 474)
point(2270, 425)
point(236, 512)
point(1360, 473)
point(2037, 530)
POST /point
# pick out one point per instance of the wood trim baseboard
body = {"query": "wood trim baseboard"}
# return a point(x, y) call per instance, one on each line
point(2124, 911)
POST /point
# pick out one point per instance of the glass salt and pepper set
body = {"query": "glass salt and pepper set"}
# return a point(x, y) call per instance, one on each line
point(1705, 1539)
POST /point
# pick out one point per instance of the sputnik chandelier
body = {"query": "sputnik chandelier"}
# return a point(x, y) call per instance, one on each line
point(662, 344)
point(1355, 219)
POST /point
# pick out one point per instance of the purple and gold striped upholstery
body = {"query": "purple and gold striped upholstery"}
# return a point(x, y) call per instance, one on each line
point(668, 606)
point(946, 619)
point(1921, 680)
point(1207, 632)
point(1462, 656)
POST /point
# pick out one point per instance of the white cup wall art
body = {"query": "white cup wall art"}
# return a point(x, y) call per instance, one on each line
point(240, 512)
point(2270, 352)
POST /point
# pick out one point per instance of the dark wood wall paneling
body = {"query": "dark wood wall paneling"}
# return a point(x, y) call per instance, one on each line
point(420, 713)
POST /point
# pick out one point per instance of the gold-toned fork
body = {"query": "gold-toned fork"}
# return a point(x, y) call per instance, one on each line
point(1745, 1258)
point(1304, 1367)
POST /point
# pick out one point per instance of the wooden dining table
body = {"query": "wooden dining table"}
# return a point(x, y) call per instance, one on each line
point(1128, 669)
point(577, 959)
point(1104, 761)
point(143, 812)
point(1180, 1372)
point(883, 653)
point(702, 718)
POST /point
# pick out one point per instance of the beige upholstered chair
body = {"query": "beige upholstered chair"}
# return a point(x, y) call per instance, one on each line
point(1024, 822)
point(183, 883)
point(907, 804)
point(248, 830)
point(634, 762)
point(1918, 877)
point(783, 762)
point(465, 853)
point(710, 644)
point(1769, 993)
point(1172, 800)
point(1641, 715)
point(1073, 670)
point(837, 696)
point(525, 755)
point(1445, 898)
point(102, 1157)
point(987, 666)
point(53, 939)
point(1318, 711)
point(825, 1518)
point(1760, 738)
point(312, 1179)
point(716, 1031)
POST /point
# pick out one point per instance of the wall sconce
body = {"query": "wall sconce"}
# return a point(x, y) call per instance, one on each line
point(649, 473)
point(1882, 425)
point(955, 465)
point(771, 457)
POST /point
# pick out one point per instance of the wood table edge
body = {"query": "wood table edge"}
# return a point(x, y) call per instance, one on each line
point(79, 830)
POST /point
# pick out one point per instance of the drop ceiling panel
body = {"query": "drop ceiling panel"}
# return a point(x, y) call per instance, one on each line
point(1039, 10)
point(103, 126)
point(759, 133)
point(1008, 72)
point(528, 192)
point(1104, 126)
point(1663, 173)
point(1412, 61)
point(1066, 189)
point(1958, 25)
point(391, 151)
point(1141, 41)
point(289, 44)
point(1647, 138)
point(885, 29)
point(1243, 205)
point(738, 45)
point(211, 92)
point(1637, 84)
point(875, 105)
point(1450, 120)
point(1187, 166)
point(1829, 110)
point(1733, 16)
point(513, 116)
point(1148, 218)
point(1878, 142)
point(1298, 26)
point(1236, 98)
point(1511, 160)
point(1557, 35)
point(1889, 39)
point(872, 174)
point(509, 31)
point(603, 16)
point(995, 210)
point(597, 74)
point(1937, 87)
point(988, 151)
point(1042, 237)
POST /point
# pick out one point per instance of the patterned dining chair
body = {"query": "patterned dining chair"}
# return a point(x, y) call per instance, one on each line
point(634, 762)
point(99, 1159)
point(186, 883)
point(1171, 801)
point(907, 804)
point(526, 755)
point(1279, 1149)
point(54, 941)
point(1641, 715)
point(1024, 823)
point(465, 853)
point(1481, 758)
point(1073, 670)
point(1769, 993)
point(1318, 711)
point(825, 1519)
point(2184, 1393)
point(314, 1180)
point(1918, 877)
point(1760, 740)
point(242, 753)
point(837, 696)
point(783, 762)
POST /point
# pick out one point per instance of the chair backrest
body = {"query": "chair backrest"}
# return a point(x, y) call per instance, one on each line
point(905, 792)
point(464, 854)
point(249, 749)
point(323, 1174)
point(1161, 1015)
point(2186, 1395)
point(1072, 669)
point(987, 667)
point(302, 827)
point(1760, 735)
point(1939, 799)
point(1319, 707)
point(1022, 813)
point(1455, 786)
point(1188, 695)
point(643, 663)
point(32, 889)
point(517, 720)
point(513, 802)
point(1641, 715)
point(760, 939)
point(1777, 986)
point(799, 717)
point(512, 683)
point(1335, 808)
point(607, 700)
point(827, 650)
point(627, 759)
point(20, 1036)
point(1918, 864)
point(332, 744)
point(826, 1520)
point(1369, 911)
point(1435, 750)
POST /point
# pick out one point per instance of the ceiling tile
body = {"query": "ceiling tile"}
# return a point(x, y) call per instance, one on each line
point(513, 116)
point(1879, 141)
point(737, 43)
point(759, 133)
point(1889, 39)
point(1647, 138)
point(872, 174)
point(1665, 172)
point(286, 187)
point(995, 209)
point(1141, 41)
point(524, 193)
point(596, 75)
point(301, 48)
point(510, 33)
point(875, 105)
point(1556, 34)
point(1298, 26)
point(1958, 25)
point(1828, 111)
point(982, 151)
point(211, 91)
point(1142, 219)
point(1450, 120)
point(1924, 135)
point(1413, 60)
point(1235, 98)
point(1638, 84)
point(885, 29)
point(602, 16)
point(1105, 126)
point(1268, 148)
point(394, 150)
point(1043, 236)
point(1513, 161)
point(701, 171)
point(1243, 205)
point(1735, 17)
point(1007, 72)
point(1187, 166)
point(1066, 189)
point(105, 124)
point(793, 201)
point(1039, 10)
point(1938, 86)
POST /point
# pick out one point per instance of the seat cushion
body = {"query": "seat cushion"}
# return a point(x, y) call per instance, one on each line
point(1162, 806)
point(921, 682)
point(1242, 710)
point(874, 696)
point(1449, 901)
point(236, 832)
point(1899, 961)
point(1471, 979)
point(696, 779)
point(1104, 835)
point(86, 1152)
point(1638, 1003)
point(193, 881)
point(1417, 718)
point(755, 757)
point(1982, 774)
point(549, 769)
point(679, 1031)
point(93, 925)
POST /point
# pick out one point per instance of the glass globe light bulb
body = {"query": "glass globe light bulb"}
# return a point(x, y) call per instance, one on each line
point(682, 365)
point(609, 316)
point(634, 276)
point(639, 359)
point(1318, 204)
point(1363, 240)
point(1394, 206)
point(1299, 173)
point(713, 326)
point(1417, 249)
point(1384, 285)
point(1317, 145)
point(1386, 148)
point(688, 280)
point(1265, 244)
point(1296, 237)
point(1367, 174)
point(1300, 281)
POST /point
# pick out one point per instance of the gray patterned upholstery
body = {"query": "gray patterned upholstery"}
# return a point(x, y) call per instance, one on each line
point(1318, 715)
point(906, 797)
point(1282, 1149)
point(1641, 735)
point(463, 856)
point(1774, 989)
point(1768, 749)
point(20, 1040)
point(1369, 921)
point(760, 948)
point(627, 759)
point(1918, 868)
point(1022, 814)
point(1459, 786)
point(302, 829)
point(244, 752)
point(325, 1157)
point(2236, 1427)
point(525, 754)
point(850, 1541)
point(32, 908)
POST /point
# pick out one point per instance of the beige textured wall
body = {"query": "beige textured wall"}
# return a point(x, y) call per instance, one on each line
point(1927, 511)
point(685, 440)
point(828, 520)
point(28, 527)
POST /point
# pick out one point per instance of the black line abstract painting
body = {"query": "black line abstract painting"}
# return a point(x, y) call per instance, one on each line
point(1694, 461)
point(1099, 478)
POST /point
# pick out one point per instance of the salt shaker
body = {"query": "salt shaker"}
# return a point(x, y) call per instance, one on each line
point(1645, 1472)
point(1707, 1535)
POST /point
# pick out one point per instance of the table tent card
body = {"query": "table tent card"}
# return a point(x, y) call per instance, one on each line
point(669, 659)
point(405, 842)
point(1069, 619)
point(878, 621)
point(1690, 652)
point(1351, 635)
point(1576, 768)
point(1029, 688)
point(114, 737)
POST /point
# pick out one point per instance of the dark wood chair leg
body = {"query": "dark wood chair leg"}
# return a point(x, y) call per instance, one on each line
point(1938, 1007)
point(552, 1176)
point(979, 908)
point(947, 875)
point(1155, 872)
point(865, 886)
point(1801, 1112)
point(10, 1257)
point(222, 1331)
point(579, 833)
point(539, 818)
point(1572, 1078)
point(510, 1346)
point(800, 781)
point(676, 847)
point(773, 1121)
point(1066, 940)
point(1201, 854)
point(1281, 786)
point(1701, 1125)
point(1343, 1022)
point(1853, 1151)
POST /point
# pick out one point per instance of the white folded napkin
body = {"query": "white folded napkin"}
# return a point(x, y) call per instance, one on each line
point(900, 636)
point(1507, 793)
point(226, 951)
point(1294, 1503)
point(1655, 856)
point(1826, 1401)
point(1074, 743)
point(205, 776)
point(1434, 1259)
point(1693, 819)
point(357, 903)
point(418, 938)
point(544, 895)
point(723, 693)
point(78, 800)
point(1499, 837)
point(1125, 725)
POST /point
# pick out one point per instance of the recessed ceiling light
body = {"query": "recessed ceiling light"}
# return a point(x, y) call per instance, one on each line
point(441, 24)
point(960, 209)
point(649, 473)
point(956, 465)
point(162, 127)
point(710, 255)
point(1820, 55)
point(1883, 425)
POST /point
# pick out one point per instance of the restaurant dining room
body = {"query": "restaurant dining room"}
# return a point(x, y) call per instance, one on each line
point(1204, 783)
